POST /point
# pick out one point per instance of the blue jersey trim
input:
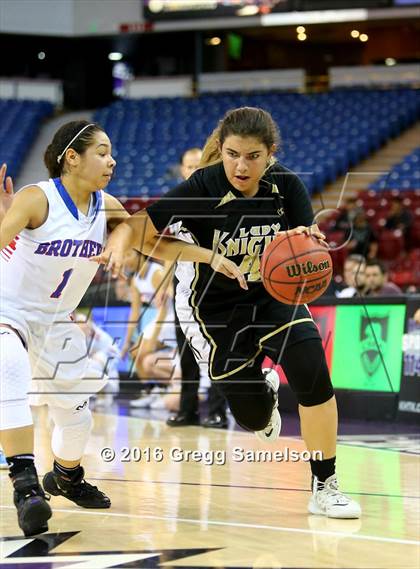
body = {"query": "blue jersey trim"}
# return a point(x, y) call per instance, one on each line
point(71, 206)
point(97, 196)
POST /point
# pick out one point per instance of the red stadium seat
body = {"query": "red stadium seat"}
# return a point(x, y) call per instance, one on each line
point(389, 194)
point(415, 233)
point(404, 278)
point(414, 256)
point(336, 239)
point(390, 244)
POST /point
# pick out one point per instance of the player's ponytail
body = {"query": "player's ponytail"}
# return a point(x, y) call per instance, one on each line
point(211, 151)
point(54, 169)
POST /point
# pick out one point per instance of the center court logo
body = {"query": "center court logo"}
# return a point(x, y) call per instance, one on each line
point(40, 552)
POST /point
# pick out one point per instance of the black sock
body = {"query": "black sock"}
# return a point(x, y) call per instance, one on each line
point(323, 469)
point(66, 473)
point(19, 462)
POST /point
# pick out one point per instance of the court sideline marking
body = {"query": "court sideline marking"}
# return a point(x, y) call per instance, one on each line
point(237, 525)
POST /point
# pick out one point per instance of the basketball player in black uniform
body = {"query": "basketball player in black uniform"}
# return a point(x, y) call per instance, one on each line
point(188, 413)
point(230, 210)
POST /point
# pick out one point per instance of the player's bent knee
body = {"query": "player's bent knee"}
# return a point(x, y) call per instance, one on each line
point(71, 432)
point(147, 363)
point(308, 376)
point(317, 393)
point(257, 423)
point(252, 417)
point(311, 401)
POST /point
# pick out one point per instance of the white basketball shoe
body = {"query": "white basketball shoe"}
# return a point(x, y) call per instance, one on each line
point(272, 431)
point(327, 500)
point(145, 401)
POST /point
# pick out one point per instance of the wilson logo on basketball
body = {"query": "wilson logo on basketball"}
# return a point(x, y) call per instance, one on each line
point(306, 268)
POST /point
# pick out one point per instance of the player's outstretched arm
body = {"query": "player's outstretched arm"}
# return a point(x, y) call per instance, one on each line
point(6, 191)
point(115, 212)
point(138, 232)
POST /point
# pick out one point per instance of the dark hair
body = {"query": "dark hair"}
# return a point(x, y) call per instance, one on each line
point(64, 135)
point(356, 258)
point(192, 149)
point(377, 263)
point(244, 121)
point(250, 121)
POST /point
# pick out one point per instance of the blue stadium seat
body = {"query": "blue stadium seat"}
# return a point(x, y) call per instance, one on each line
point(403, 176)
point(19, 125)
point(322, 134)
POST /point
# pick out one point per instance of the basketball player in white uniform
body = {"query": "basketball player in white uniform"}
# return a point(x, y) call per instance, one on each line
point(155, 354)
point(48, 232)
point(104, 354)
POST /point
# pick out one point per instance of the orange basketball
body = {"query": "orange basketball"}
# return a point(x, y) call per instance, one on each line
point(296, 269)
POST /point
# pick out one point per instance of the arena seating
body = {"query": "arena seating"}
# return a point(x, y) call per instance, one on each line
point(19, 125)
point(403, 176)
point(401, 254)
point(322, 134)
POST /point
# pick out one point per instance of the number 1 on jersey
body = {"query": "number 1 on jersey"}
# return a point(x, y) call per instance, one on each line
point(64, 281)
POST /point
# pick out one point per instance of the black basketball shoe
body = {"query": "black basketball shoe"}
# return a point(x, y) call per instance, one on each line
point(31, 503)
point(77, 490)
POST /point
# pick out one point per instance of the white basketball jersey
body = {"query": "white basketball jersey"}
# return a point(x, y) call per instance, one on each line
point(144, 283)
point(45, 272)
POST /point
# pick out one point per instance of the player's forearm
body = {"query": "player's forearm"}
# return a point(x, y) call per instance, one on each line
point(121, 238)
point(8, 232)
point(173, 249)
point(150, 242)
point(129, 334)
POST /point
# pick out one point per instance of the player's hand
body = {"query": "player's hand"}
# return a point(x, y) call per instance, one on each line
point(228, 268)
point(113, 258)
point(6, 191)
point(310, 231)
point(115, 252)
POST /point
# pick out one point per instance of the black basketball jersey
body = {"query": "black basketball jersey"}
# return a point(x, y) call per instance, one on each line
point(223, 322)
point(219, 217)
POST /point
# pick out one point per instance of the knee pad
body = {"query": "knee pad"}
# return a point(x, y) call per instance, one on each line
point(307, 372)
point(71, 431)
point(15, 380)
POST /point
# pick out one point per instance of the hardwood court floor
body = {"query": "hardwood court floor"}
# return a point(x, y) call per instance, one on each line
point(239, 514)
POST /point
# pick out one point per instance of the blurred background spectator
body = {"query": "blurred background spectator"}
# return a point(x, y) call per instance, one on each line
point(376, 280)
point(345, 219)
point(398, 217)
point(354, 276)
point(363, 240)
